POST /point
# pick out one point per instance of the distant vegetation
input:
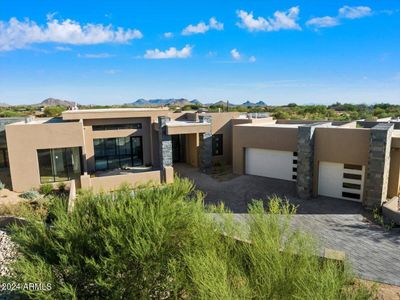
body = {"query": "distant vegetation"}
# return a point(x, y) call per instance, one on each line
point(337, 111)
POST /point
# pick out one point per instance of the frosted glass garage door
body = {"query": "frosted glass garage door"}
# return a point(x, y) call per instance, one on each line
point(344, 181)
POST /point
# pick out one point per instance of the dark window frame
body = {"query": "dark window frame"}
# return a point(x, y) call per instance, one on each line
point(117, 156)
point(218, 150)
point(67, 167)
point(117, 126)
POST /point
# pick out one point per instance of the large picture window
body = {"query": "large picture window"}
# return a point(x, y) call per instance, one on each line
point(59, 164)
point(116, 153)
point(217, 142)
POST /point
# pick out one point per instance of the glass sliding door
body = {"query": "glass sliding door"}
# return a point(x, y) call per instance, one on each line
point(137, 152)
point(114, 153)
point(59, 164)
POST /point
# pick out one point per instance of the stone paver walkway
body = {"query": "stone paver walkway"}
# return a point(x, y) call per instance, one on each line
point(341, 225)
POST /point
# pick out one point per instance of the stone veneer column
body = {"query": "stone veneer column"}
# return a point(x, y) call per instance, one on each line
point(305, 161)
point(378, 165)
point(205, 147)
point(165, 146)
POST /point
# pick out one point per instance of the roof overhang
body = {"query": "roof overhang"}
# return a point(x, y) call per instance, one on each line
point(187, 127)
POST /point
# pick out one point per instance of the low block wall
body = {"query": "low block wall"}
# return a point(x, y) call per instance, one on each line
point(109, 183)
point(390, 210)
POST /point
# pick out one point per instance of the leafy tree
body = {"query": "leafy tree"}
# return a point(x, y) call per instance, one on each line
point(53, 111)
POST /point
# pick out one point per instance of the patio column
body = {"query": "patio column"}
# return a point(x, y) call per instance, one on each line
point(205, 147)
point(165, 146)
point(376, 185)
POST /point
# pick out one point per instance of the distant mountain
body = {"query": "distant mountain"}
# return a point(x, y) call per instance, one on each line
point(195, 101)
point(164, 102)
point(55, 102)
point(221, 103)
point(259, 103)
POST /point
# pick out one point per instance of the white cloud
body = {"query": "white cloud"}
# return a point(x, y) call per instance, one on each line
point(203, 27)
point(323, 22)
point(282, 20)
point(354, 12)
point(168, 35)
point(345, 12)
point(172, 52)
point(235, 54)
point(95, 55)
point(252, 59)
point(16, 34)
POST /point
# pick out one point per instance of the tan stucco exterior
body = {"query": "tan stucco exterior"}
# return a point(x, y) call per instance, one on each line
point(262, 136)
point(340, 145)
point(23, 141)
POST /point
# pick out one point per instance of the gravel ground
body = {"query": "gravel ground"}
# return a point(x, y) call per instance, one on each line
point(7, 252)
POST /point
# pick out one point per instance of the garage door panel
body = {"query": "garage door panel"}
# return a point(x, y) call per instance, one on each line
point(269, 163)
point(341, 181)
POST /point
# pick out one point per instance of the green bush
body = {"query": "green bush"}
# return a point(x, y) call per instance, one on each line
point(30, 195)
point(160, 243)
point(61, 186)
point(46, 188)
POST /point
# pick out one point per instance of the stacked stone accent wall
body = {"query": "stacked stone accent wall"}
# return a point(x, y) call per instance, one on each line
point(165, 145)
point(205, 147)
point(305, 161)
point(378, 165)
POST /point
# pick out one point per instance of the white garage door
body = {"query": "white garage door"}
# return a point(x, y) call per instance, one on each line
point(342, 181)
point(271, 163)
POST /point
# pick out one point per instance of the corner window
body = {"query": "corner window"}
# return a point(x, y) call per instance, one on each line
point(217, 144)
point(59, 164)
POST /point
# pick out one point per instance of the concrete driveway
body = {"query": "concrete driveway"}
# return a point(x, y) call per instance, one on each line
point(338, 224)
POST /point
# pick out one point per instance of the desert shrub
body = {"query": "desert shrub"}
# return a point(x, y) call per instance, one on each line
point(160, 243)
point(30, 195)
point(61, 186)
point(33, 209)
point(2, 185)
point(46, 188)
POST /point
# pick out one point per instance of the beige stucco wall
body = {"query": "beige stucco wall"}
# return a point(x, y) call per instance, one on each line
point(109, 183)
point(192, 148)
point(23, 141)
point(263, 137)
point(340, 145)
point(222, 124)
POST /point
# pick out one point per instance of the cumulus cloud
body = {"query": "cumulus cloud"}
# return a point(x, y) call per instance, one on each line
point(323, 22)
point(168, 35)
point(354, 12)
point(252, 59)
point(172, 52)
point(235, 54)
point(282, 20)
point(15, 34)
point(345, 12)
point(203, 27)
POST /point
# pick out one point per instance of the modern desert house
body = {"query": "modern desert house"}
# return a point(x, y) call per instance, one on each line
point(102, 148)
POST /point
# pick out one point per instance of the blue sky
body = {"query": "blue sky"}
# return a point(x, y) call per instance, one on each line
point(110, 52)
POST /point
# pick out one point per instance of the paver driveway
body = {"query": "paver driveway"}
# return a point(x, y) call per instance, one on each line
point(339, 224)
